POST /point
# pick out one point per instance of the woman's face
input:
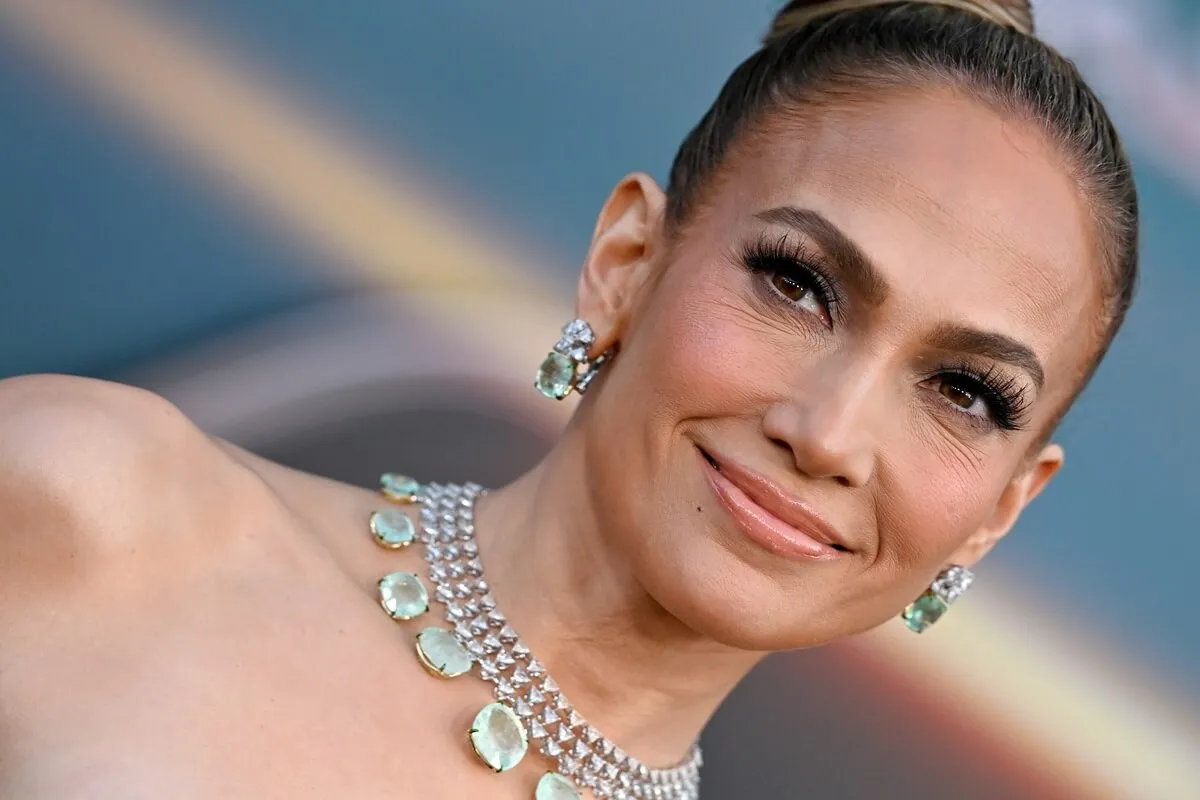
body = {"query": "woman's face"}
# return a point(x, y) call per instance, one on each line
point(834, 382)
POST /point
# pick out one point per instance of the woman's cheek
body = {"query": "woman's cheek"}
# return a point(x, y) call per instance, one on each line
point(716, 352)
point(933, 506)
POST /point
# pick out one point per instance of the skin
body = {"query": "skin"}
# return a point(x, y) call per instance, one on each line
point(181, 618)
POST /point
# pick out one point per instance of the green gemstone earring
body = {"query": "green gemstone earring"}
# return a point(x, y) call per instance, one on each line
point(947, 587)
point(568, 366)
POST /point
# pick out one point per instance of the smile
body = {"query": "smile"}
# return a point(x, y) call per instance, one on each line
point(768, 516)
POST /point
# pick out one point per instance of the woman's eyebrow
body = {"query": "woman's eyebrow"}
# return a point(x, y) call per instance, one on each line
point(996, 346)
point(857, 269)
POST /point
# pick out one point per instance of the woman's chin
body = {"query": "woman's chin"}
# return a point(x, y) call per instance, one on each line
point(717, 595)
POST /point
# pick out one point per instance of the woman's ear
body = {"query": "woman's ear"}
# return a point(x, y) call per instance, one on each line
point(1017, 495)
point(620, 260)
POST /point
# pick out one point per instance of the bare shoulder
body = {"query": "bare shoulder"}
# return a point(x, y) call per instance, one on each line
point(92, 472)
point(155, 588)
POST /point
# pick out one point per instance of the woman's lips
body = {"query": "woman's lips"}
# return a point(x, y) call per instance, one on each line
point(763, 527)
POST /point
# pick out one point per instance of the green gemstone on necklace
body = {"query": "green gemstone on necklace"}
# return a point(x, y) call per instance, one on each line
point(400, 488)
point(402, 595)
point(441, 654)
point(498, 737)
point(924, 611)
point(553, 786)
point(555, 376)
point(392, 528)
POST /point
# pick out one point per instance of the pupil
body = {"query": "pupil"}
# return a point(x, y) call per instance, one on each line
point(958, 395)
point(790, 288)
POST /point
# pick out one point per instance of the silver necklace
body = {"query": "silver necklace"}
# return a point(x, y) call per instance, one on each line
point(519, 681)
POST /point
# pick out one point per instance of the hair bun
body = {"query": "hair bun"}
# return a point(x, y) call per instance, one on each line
point(1015, 14)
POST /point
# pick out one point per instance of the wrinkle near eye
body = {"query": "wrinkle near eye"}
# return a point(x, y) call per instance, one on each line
point(763, 309)
point(961, 453)
point(755, 314)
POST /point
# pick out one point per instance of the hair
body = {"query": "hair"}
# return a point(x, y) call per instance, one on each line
point(820, 51)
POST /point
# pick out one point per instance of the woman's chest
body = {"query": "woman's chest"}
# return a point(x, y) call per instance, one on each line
point(265, 679)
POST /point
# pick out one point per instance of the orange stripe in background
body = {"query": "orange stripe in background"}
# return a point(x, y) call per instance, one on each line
point(1000, 663)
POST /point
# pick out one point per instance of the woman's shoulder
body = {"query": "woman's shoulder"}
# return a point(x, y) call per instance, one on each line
point(92, 471)
point(141, 558)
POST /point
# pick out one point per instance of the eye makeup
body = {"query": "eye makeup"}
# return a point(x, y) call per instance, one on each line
point(794, 272)
point(799, 278)
point(1003, 399)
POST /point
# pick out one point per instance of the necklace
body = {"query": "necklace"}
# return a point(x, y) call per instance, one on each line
point(530, 706)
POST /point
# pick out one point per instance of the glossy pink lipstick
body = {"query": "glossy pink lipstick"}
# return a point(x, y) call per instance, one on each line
point(772, 519)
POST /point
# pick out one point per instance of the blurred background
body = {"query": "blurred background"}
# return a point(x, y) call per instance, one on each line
point(323, 228)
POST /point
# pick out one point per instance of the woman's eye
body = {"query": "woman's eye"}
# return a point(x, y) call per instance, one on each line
point(971, 397)
point(789, 287)
point(997, 399)
point(800, 292)
point(959, 395)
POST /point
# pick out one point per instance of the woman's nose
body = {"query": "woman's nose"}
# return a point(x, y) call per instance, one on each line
point(830, 422)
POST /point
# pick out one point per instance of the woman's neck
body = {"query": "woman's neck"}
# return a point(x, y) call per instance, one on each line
point(634, 671)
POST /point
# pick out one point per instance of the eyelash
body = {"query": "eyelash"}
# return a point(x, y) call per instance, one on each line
point(768, 256)
point(1004, 395)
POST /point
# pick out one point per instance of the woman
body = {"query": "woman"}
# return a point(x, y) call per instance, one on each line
point(822, 371)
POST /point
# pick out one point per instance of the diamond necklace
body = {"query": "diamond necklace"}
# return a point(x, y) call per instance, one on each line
point(530, 705)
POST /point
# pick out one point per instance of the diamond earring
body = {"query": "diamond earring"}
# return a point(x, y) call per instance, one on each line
point(568, 366)
point(947, 587)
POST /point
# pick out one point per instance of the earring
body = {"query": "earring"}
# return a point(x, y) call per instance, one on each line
point(568, 365)
point(947, 587)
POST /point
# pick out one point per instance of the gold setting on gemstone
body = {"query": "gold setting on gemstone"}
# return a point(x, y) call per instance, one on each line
point(400, 488)
point(403, 595)
point(441, 655)
point(498, 737)
point(392, 528)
